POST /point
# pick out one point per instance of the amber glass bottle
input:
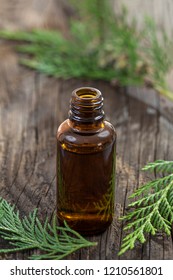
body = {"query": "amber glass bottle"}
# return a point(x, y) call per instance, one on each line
point(86, 164)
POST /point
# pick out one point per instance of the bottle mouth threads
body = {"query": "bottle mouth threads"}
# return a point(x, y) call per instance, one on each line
point(86, 105)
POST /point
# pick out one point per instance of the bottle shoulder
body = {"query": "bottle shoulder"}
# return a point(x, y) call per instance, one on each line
point(97, 140)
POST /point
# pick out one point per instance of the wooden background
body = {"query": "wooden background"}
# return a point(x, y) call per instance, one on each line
point(31, 108)
point(160, 10)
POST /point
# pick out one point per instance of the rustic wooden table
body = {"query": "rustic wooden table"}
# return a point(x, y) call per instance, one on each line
point(31, 108)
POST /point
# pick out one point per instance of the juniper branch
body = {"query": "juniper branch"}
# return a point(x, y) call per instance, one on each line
point(55, 242)
point(159, 166)
point(122, 55)
point(153, 209)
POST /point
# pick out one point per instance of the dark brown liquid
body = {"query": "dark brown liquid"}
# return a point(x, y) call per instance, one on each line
point(86, 178)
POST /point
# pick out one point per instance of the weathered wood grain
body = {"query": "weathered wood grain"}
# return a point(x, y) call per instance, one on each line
point(161, 12)
point(23, 14)
point(31, 108)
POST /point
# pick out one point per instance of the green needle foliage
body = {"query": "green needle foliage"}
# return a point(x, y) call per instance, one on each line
point(28, 233)
point(153, 209)
point(100, 46)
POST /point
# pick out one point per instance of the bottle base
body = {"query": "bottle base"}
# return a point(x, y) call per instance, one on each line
point(88, 224)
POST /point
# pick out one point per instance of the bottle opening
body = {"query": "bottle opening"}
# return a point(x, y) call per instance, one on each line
point(88, 96)
point(86, 105)
point(87, 93)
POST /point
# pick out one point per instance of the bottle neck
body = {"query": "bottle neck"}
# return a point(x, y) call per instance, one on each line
point(86, 108)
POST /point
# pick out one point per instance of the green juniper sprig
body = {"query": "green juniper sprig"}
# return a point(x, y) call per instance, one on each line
point(151, 212)
point(101, 46)
point(153, 207)
point(53, 241)
point(159, 166)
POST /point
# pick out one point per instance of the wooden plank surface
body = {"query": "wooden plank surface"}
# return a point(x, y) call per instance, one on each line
point(160, 10)
point(23, 14)
point(31, 108)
